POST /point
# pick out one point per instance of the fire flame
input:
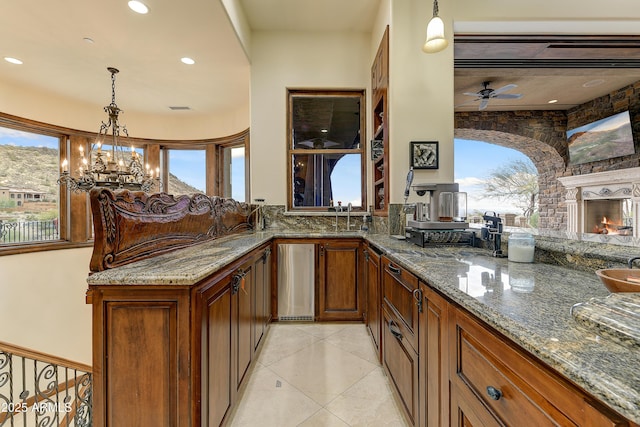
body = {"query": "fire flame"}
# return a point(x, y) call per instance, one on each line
point(608, 227)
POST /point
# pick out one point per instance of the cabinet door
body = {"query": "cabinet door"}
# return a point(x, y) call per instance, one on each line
point(466, 411)
point(434, 374)
point(373, 312)
point(400, 362)
point(261, 296)
point(398, 286)
point(217, 384)
point(338, 294)
point(242, 285)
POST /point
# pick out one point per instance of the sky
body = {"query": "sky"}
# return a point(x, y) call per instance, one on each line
point(474, 161)
point(26, 139)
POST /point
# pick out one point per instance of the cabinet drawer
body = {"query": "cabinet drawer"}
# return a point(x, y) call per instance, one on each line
point(398, 286)
point(401, 364)
point(513, 386)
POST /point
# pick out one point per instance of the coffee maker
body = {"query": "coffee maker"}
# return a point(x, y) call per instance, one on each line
point(441, 218)
point(444, 208)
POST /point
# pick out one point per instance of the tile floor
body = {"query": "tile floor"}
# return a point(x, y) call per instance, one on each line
point(314, 374)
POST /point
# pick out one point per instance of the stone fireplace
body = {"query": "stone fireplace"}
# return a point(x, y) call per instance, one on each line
point(604, 203)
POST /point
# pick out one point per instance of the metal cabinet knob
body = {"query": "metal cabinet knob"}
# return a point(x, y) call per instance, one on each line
point(494, 393)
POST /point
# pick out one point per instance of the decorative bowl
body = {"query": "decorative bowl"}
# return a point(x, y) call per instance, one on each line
point(620, 279)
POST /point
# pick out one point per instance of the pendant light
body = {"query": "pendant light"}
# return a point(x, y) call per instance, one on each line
point(435, 41)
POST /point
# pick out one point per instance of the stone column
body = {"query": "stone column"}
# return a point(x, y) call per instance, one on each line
point(574, 210)
point(635, 208)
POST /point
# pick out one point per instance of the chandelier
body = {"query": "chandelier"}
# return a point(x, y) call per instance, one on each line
point(108, 164)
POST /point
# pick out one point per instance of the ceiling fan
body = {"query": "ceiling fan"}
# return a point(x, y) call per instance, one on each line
point(484, 95)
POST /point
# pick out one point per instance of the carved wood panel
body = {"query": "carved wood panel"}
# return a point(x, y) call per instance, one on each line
point(133, 225)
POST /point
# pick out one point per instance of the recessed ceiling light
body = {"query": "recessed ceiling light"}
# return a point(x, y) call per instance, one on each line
point(138, 6)
point(552, 101)
point(324, 130)
point(592, 83)
point(13, 60)
point(88, 40)
point(187, 61)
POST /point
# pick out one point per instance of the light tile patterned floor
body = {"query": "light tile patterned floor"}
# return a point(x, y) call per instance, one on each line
point(317, 374)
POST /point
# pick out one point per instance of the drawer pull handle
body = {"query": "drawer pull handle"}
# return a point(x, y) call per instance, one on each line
point(394, 330)
point(494, 393)
point(394, 270)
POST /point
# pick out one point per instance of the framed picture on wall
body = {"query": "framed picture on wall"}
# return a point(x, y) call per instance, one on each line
point(424, 154)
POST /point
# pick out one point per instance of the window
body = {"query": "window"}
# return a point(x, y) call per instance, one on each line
point(187, 171)
point(233, 172)
point(35, 215)
point(324, 149)
point(29, 193)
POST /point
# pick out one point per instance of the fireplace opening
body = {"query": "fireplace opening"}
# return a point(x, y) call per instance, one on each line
point(608, 216)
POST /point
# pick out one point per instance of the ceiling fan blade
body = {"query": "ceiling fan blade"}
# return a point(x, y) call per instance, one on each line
point(465, 103)
point(472, 94)
point(504, 89)
point(483, 104)
point(508, 96)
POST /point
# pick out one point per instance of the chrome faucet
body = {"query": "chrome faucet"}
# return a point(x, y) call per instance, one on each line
point(631, 260)
point(349, 207)
point(259, 224)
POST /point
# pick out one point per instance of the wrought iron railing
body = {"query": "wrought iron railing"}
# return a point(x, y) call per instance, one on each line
point(29, 231)
point(43, 391)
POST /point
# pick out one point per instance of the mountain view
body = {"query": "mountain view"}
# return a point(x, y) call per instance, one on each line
point(36, 168)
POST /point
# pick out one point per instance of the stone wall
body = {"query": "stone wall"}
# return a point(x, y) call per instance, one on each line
point(541, 135)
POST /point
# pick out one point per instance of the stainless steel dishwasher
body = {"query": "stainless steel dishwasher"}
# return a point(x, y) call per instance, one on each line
point(296, 281)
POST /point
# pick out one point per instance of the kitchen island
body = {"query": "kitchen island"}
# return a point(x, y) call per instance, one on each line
point(528, 304)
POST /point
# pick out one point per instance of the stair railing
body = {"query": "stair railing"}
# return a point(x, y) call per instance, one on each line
point(37, 389)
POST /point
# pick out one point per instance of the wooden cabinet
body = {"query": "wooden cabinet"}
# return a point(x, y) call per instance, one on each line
point(434, 360)
point(400, 296)
point(380, 66)
point(400, 362)
point(224, 309)
point(401, 333)
point(493, 382)
point(242, 284)
point(217, 389)
point(261, 296)
point(340, 296)
point(373, 312)
point(141, 348)
point(190, 347)
point(380, 138)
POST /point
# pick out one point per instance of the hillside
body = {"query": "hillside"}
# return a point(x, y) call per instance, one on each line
point(36, 168)
point(29, 168)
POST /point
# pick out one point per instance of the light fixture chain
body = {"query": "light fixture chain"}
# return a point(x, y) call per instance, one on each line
point(113, 88)
point(116, 171)
point(435, 7)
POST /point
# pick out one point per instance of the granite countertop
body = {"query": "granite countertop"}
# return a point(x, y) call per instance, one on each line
point(528, 303)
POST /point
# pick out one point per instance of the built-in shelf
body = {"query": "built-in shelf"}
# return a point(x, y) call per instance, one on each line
point(380, 141)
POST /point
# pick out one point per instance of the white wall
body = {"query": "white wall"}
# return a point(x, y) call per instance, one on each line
point(42, 302)
point(282, 60)
point(420, 97)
